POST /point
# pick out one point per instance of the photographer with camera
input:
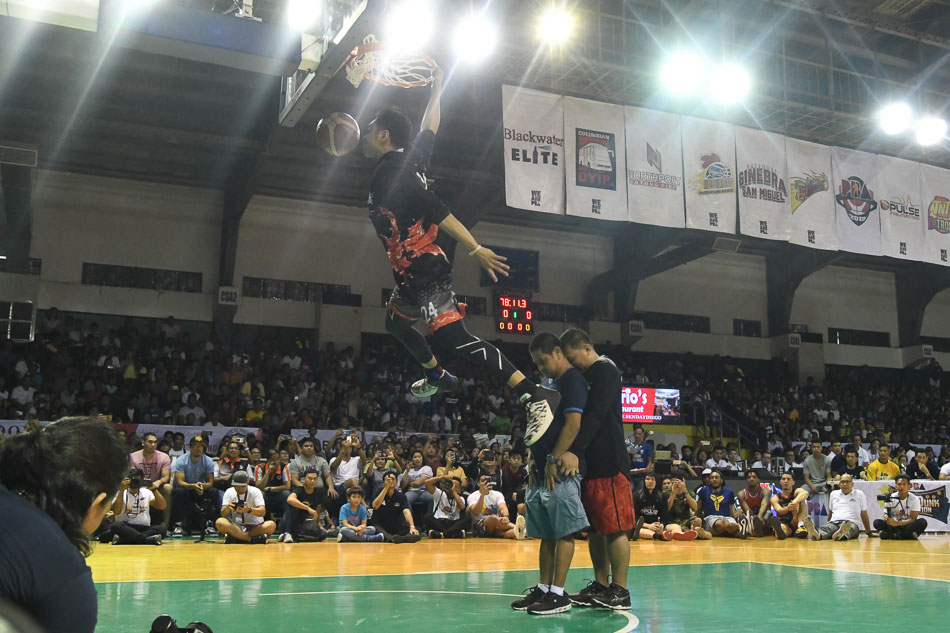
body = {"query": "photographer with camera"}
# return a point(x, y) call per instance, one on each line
point(194, 485)
point(902, 512)
point(845, 507)
point(490, 513)
point(133, 522)
point(448, 518)
point(242, 513)
point(391, 515)
point(156, 468)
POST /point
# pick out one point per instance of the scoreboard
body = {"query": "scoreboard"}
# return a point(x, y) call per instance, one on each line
point(514, 313)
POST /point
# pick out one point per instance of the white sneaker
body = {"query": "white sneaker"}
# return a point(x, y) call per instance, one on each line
point(286, 538)
point(520, 528)
point(810, 528)
point(540, 407)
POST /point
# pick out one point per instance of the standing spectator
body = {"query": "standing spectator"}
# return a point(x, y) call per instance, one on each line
point(391, 516)
point(194, 483)
point(156, 469)
point(883, 468)
point(845, 507)
point(902, 512)
point(817, 469)
point(791, 508)
point(133, 522)
point(718, 508)
point(448, 518)
point(353, 518)
point(641, 457)
point(242, 513)
point(921, 468)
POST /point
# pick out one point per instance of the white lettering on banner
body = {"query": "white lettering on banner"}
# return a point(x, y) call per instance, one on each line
point(533, 130)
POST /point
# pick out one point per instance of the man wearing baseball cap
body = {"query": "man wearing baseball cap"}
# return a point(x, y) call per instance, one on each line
point(193, 473)
point(242, 513)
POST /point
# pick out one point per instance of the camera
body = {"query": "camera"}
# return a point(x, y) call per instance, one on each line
point(165, 624)
point(887, 497)
point(136, 478)
point(446, 485)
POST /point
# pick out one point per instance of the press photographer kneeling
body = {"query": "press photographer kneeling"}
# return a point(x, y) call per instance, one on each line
point(901, 509)
point(133, 522)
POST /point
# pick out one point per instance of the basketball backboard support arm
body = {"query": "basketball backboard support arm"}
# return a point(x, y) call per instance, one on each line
point(304, 94)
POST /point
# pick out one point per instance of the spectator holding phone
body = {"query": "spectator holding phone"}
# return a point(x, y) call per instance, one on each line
point(490, 513)
point(242, 513)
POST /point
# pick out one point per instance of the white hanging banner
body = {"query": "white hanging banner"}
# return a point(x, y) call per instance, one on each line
point(763, 184)
point(534, 149)
point(811, 196)
point(935, 189)
point(654, 168)
point(709, 167)
point(594, 133)
point(902, 227)
point(857, 212)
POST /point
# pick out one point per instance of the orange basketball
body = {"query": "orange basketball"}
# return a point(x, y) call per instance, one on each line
point(338, 134)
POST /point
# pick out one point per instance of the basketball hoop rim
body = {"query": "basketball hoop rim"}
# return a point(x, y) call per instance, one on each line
point(373, 47)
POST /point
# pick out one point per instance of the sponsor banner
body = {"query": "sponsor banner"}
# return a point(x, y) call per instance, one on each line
point(596, 160)
point(810, 195)
point(902, 225)
point(654, 168)
point(709, 168)
point(533, 132)
point(934, 505)
point(648, 405)
point(762, 183)
point(857, 201)
point(935, 213)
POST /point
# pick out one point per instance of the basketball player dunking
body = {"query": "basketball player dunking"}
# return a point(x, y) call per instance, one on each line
point(407, 218)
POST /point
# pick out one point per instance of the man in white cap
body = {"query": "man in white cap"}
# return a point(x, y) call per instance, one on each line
point(242, 513)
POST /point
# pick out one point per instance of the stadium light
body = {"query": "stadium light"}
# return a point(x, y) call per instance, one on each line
point(729, 84)
point(931, 130)
point(556, 25)
point(895, 118)
point(475, 38)
point(409, 25)
point(302, 14)
point(682, 73)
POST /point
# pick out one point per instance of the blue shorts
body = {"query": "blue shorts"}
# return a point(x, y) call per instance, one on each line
point(555, 514)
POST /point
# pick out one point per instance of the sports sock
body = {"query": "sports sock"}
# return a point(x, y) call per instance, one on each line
point(435, 372)
point(544, 588)
point(557, 591)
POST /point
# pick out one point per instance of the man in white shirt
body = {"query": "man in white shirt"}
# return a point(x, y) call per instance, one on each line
point(347, 465)
point(945, 471)
point(716, 461)
point(244, 505)
point(902, 510)
point(490, 513)
point(133, 522)
point(292, 360)
point(864, 457)
point(845, 506)
point(764, 463)
point(23, 394)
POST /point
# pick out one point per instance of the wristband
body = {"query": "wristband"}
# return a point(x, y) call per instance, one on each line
point(475, 250)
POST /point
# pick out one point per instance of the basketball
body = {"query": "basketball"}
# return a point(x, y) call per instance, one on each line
point(338, 134)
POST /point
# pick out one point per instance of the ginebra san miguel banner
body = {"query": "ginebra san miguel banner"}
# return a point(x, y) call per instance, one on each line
point(902, 227)
point(709, 167)
point(935, 211)
point(534, 149)
point(762, 184)
point(857, 200)
point(596, 159)
point(810, 196)
point(654, 168)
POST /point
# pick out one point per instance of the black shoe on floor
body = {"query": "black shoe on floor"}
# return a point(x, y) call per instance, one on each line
point(535, 595)
point(777, 529)
point(260, 539)
point(616, 598)
point(408, 538)
point(551, 604)
point(635, 533)
point(584, 597)
point(885, 535)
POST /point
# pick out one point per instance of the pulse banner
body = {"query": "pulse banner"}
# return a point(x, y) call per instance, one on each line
point(935, 214)
point(654, 168)
point(902, 227)
point(534, 149)
point(857, 201)
point(709, 167)
point(596, 159)
point(811, 200)
point(762, 184)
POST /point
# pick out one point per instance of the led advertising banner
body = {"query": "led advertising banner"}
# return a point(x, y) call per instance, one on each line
point(646, 405)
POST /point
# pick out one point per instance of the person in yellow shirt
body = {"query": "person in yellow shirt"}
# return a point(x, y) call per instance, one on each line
point(883, 468)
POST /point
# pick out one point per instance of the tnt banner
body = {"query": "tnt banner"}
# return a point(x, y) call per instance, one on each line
point(654, 168)
point(811, 200)
point(935, 189)
point(534, 149)
point(762, 184)
point(857, 201)
point(902, 228)
point(934, 505)
point(594, 135)
point(709, 167)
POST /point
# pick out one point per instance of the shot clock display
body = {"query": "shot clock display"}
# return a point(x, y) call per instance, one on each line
point(514, 313)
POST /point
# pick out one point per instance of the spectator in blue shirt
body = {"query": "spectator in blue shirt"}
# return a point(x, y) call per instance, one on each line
point(193, 473)
point(719, 509)
point(641, 457)
point(353, 519)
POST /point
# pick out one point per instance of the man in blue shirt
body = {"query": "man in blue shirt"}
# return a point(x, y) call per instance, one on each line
point(641, 457)
point(193, 473)
point(719, 509)
point(553, 502)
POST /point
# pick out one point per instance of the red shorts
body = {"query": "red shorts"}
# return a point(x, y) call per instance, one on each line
point(608, 502)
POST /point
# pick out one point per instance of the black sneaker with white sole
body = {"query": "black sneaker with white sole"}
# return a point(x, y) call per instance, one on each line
point(535, 595)
point(551, 604)
point(635, 532)
point(585, 597)
point(616, 598)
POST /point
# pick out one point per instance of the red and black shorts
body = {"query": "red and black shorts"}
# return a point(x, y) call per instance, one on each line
point(608, 502)
point(435, 303)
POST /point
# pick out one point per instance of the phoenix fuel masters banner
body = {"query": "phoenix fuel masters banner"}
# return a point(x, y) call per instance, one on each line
point(857, 210)
point(935, 189)
point(596, 160)
point(709, 166)
point(811, 198)
point(534, 149)
point(763, 184)
point(902, 228)
point(654, 168)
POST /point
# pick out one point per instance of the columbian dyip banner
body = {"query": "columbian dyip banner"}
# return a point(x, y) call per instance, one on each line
point(935, 211)
point(596, 160)
point(534, 149)
point(654, 168)
point(811, 199)
point(762, 184)
point(709, 167)
point(902, 227)
point(857, 201)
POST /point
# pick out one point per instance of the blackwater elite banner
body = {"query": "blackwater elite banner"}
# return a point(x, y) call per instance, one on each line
point(857, 201)
point(596, 160)
point(762, 184)
point(709, 167)
point(654, 168)
point(935, 192)
point(810, 195)
point(534, 149)
point(902, 227)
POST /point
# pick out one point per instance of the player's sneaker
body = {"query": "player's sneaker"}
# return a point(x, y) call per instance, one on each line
point(616, 598)
point(155, 539)
point(801, 532)
point(286, 537)
point(550, 604)
point(810, 528)
point(758, 527)
point(540, 406)
point(446, 383)
point(520, 528)
point(584, 597)
point(260, 539)
point(535, 595)
point(842, 533)
point(745, 527)
point(177, 531)
point(777, 528)
point(462, 534)
point(885, 535)
point(688, 535)
point(635, 532)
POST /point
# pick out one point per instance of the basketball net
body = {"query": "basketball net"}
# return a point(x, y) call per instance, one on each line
point(372, 60)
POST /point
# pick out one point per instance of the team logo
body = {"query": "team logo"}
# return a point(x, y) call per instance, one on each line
point(644, 178)
point(654, 159)
point(901, 208)
point(540, 149)
point(761, 182)
point(596, 159)
point(938, 215)
point(715, 177)
point(855, 197)
point(804, 187)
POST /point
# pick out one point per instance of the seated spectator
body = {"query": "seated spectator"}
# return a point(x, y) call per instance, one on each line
point(178, 446)
point(353, 516)
point(448, 518)
point(733, 462)
point(680, 511)
point(194, 486)
point(851, 466)
point(306, 503)
point(230, 463)
point(514, 478)
point(650, 508)
point(883, 468)
point(391, 515)
point(718, 508)
point(716, 461)
point(273, 479)
point(864, 457)
point(791, 461)
point(347, 465)
point(242, 513)
point(414, 478)
point(133, 522)
point(791, 508)
point(755, 501)
point(451, 468)
point(374, 471)
point(490, 513)
point(945, 470)
point(816, 469)
point(902, 513)
point(308, 459)
point(156, 468)
point(845, 507)
point(836, 455)
point(922, 468)
point(764, 463)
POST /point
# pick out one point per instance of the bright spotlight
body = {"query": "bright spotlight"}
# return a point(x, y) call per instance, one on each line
point(409, 25)
point(682, 73)
point(302, 14)
point(475, 38)
point(556, 25)
point(931, 130)
point(895, 118)
point(729, 84)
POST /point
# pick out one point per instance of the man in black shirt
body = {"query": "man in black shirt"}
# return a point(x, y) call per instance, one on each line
point(851, 465)
point(306, 502)
point(391, 514)
point(605, 491)
point(407, 218)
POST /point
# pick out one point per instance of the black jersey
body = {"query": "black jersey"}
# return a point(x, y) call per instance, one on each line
point(601, 434)
point(789, 517)
point(652, 506)
point(406, 215)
